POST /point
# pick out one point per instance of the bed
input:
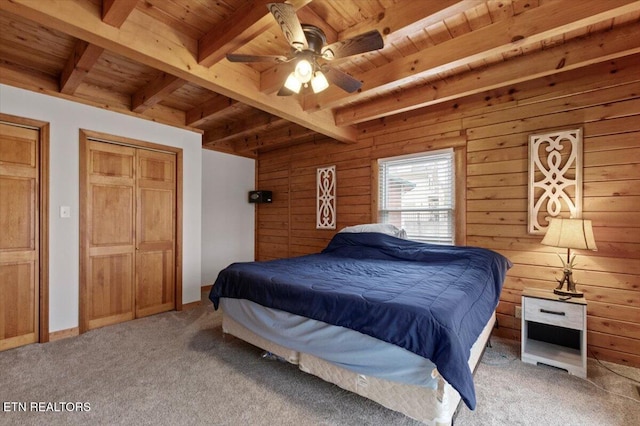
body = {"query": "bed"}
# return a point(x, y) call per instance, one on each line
point(400, 322)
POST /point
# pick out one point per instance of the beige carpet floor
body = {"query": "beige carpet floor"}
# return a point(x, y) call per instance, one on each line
point(177, 368)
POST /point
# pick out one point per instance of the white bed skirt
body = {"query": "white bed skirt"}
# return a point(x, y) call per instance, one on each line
point(431, 406)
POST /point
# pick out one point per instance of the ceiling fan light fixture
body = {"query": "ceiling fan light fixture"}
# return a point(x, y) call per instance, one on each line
point(304, 71)
point(292, 83)
point(319, 82)
point(308, 44)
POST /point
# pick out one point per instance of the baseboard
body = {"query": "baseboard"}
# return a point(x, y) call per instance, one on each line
point(191, 305)
point(63, 334)
point(206, 287)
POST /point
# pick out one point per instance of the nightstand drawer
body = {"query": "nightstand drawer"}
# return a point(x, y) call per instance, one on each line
point(554, 313)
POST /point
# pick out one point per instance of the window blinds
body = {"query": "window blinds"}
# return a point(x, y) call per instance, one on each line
point(416, 193)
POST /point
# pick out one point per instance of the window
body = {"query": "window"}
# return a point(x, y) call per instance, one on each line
point(417, 193)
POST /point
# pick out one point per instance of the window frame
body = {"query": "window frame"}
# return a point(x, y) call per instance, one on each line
point(459, 145)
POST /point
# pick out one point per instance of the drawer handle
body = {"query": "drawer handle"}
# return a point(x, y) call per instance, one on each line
point(546, 311)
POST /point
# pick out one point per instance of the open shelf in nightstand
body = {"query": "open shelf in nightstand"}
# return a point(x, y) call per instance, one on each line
point(554, 331)
point(562, 356)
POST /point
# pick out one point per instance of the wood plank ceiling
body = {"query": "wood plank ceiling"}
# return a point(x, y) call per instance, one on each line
point(164, 60)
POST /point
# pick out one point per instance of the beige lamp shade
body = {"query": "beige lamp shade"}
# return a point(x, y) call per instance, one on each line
point(570, 233)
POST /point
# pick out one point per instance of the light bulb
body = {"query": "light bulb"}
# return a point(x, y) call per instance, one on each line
point(319, 82)
point(304, 71)
point(292, 83)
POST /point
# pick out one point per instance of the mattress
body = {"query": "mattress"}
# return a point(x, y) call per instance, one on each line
point(432, 406)
point(431, 300)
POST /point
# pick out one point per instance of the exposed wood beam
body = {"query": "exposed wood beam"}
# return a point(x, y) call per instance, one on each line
point(410, 17)
point(574, 54)
point(30, 79)
point(208, 110)
point(550, 20)
point(82, 59)
point(242, 129)
point(220, 146)
point(281, 136)
point(246, 23)
point(115, 12)
point(167, 51)
point(155, 92)
point(35, 81)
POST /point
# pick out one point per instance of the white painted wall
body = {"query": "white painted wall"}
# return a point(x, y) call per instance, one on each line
point(227, 216)
point(66, 119)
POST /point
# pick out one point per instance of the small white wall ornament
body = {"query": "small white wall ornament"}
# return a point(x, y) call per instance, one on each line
point(326, 193)
point(555, 177)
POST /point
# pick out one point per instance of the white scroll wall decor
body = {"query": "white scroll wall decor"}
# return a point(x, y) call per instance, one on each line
point(555, 177)
point(326, 204)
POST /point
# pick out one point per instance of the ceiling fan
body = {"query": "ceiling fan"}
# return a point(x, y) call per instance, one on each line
point(309, 54)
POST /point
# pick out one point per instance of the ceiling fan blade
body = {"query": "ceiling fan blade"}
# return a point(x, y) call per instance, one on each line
point(365, 42)
point(341, 79)
point(233, 57)
point(285, 15)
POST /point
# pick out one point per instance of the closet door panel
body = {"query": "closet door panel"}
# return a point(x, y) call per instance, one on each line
point(156, 217)
point(109, 233)
point(110, 294)
point(155, 233)
point(112, 214)
point(155, 283)
point(18, 303)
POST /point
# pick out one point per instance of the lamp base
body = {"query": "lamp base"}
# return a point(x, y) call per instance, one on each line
point(571, 285)
point(568, 293)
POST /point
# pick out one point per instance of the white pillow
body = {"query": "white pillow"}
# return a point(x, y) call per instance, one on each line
point(383, 228)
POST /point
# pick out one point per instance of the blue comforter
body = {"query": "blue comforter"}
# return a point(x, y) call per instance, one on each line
point(429, 299)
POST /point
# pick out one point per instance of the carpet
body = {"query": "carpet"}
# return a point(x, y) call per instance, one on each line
point(177, 368)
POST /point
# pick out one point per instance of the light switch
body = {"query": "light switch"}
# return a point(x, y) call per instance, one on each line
point(65, 211)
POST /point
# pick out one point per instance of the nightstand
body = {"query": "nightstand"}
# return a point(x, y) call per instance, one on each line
point(554, 331)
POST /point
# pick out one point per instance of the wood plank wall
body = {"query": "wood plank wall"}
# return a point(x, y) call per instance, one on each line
point(604, 100)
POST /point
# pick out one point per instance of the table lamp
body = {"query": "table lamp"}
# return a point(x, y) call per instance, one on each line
point(569, 234)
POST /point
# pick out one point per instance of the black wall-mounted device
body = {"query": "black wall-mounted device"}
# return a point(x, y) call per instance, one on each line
point(260, 196)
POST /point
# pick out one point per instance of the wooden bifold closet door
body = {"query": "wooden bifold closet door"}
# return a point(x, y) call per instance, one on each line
point(128, 233)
